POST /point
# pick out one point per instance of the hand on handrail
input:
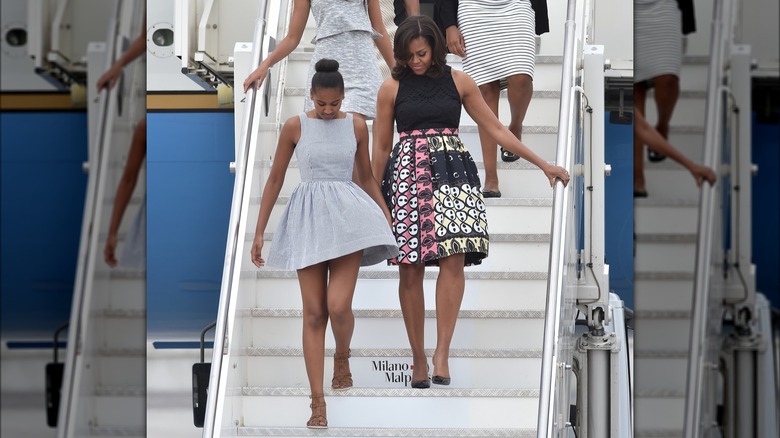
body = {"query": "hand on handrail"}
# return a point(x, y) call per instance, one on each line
point(256, 78)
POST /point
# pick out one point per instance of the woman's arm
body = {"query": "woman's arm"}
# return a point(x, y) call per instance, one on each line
point(124, 191)
point(383, 124)
point(366, 179)
point(291, 132)
point(479, 111)
point(300, 14)
point(136, 49)
point(655, 141)
point(384, 44)
point(412, 7)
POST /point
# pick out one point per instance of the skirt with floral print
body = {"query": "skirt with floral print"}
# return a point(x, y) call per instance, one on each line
point(432, 188)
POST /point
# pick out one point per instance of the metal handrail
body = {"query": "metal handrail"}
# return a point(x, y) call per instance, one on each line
point(88, 250)
point(697, 351)
point(560, 217)
point(236, 230)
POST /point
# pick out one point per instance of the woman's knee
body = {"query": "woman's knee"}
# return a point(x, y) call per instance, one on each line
point(411, 277)
point(315, 318)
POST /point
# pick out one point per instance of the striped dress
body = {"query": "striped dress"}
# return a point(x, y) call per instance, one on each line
point(657, 39)
point(500, 39)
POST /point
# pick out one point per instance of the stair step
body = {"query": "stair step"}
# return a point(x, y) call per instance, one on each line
point(120, 391)
point(430, 274)
point(390, 333)
point(661, 333)
point(665, 256)
point(526, 292)
point(386, 432)
point(385, 407)
point(671, 410)
point(436, 391)
point(111, 431)
point(660, 393)
point(653, 433)
point(652, 216)
point(396, 313)
point(392, 368)
point(507, 353)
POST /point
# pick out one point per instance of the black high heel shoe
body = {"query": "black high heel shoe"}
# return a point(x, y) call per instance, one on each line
point(422, 384)
point(440, 380)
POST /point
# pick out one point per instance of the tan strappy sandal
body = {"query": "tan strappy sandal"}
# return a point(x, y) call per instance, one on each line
point(318, 419)
point(342, 378)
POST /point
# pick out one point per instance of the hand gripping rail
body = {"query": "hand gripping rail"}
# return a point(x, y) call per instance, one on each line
point(236, 230)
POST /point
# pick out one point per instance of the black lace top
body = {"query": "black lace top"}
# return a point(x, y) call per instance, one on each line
point(423, 102)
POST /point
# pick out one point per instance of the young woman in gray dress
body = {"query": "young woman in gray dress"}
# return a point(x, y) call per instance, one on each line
point(347, 31)
point(316, 234)
point(431, 184)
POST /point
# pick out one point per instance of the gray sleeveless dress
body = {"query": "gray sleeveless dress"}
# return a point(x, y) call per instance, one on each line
point(328, 215)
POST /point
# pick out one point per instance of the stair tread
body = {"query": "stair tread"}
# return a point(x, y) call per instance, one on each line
point(394, 313)
point(433, 391)
point(387, 432)
point(430, 274)
point(491, 353)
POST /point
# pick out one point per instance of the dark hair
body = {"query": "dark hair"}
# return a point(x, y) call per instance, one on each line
point(414, 27)
point(327, 75)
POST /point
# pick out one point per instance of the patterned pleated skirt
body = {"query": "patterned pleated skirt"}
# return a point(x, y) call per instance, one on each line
point(432, 188)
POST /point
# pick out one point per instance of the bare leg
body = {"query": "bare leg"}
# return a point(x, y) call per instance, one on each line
point(640, 92)
point(667, 90)
point(341, 289)
point(410, 294)
point(490, 93)
point(313, 280)
point(449, 296)
point(520, 89)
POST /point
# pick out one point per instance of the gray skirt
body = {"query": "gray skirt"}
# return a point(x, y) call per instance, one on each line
point(354, 51)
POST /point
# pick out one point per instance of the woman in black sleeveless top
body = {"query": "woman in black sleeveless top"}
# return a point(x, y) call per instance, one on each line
point(431, 184)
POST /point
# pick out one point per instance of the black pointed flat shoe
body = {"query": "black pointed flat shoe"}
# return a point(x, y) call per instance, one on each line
point(491, 194)
point(654, 156)
point(508, 157)
point(439, 380)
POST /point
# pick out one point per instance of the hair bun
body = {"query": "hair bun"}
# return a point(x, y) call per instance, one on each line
point(326, 65)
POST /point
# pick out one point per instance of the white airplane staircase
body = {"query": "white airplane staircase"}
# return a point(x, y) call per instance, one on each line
point(504, 336)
